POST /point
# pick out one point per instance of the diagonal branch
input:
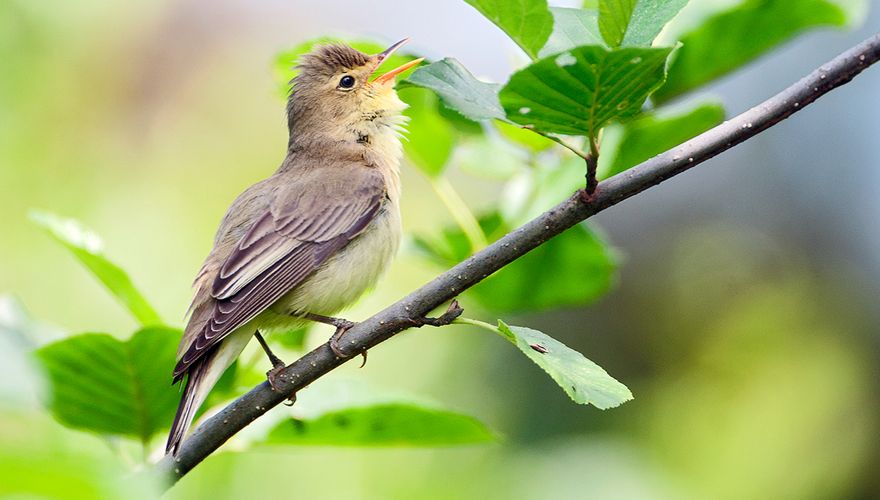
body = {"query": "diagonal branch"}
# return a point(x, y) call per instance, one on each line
point(403, 314)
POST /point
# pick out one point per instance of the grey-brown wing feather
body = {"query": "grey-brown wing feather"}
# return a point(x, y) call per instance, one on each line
point(308, 222)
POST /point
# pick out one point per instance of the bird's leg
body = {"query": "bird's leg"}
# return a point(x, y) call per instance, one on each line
point(342, 326)
point(277, 365)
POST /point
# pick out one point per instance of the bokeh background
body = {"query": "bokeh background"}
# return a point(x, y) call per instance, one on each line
point(744, 319)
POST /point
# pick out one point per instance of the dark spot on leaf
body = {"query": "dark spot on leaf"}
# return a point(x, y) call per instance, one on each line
point(342, 421)
point(539, 347)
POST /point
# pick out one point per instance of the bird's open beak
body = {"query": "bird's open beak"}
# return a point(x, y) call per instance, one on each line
point(382, 56)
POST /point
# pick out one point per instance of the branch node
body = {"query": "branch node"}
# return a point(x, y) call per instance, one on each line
point(453, 311)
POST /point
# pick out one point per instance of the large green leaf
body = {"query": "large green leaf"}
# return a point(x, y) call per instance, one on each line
point(87, 247)
point(574, 268)
point(650, 135)
point(572, 28)
point(580, 91)
point(527, 22)
point(737, 36)
point(585, 382)
point(459, 89)
point(388, 424)
point(635, 23)
point(105, 385)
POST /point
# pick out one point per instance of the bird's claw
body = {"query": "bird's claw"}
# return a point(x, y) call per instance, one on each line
point(272, 376)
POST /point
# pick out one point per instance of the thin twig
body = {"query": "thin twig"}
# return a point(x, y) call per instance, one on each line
point(216, 430)
point(574, 149)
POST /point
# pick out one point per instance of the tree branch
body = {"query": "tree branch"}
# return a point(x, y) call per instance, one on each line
point(402, 314)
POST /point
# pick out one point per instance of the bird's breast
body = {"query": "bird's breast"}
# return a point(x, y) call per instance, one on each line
point(348, 273)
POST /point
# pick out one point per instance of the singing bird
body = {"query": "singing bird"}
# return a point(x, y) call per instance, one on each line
point(310, 239)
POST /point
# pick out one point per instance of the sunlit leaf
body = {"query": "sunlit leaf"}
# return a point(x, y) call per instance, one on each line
point(527, 22)
point(580, 91)
point(87, 247)
point(736, 36)
point(635, 23)
point(389, 424)
point(650, 135)
point(105, 385)
point(459, 89)
point(585, 382)
point(572, 28)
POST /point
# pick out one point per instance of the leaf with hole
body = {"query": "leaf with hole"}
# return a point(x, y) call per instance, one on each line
point(580, 91)
point(585, 382)
point(386, 424)
point(106, 385)
point(87, 247)
point(527, 22)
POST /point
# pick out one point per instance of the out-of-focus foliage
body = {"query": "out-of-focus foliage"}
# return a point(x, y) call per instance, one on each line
point(389, 424)
point(653, 134)
point(87, 247)
point(736, 36)
point(105, 385)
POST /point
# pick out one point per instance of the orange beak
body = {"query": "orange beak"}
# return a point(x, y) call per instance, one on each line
point(382, 56)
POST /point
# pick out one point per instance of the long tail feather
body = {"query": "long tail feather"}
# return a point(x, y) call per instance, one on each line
point(200, 378)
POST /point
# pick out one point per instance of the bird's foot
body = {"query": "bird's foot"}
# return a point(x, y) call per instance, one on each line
point(453, 311)
point(343, 326)
point(273, 375)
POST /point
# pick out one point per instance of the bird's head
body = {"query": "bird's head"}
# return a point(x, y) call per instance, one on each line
point(337, 96)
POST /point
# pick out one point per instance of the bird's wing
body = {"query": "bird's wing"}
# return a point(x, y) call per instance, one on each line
point(309, 221)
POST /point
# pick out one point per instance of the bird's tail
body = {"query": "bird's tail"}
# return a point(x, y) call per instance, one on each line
point(200, 379)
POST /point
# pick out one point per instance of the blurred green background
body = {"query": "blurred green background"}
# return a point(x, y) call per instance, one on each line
point(744, 318)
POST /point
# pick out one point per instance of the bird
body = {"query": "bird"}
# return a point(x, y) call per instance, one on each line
point(309, 240)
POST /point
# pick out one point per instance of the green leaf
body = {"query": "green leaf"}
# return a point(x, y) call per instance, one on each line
point(734, 37)
point(614, 17)
point(650, 135)
point(87, 247)
point(585, 382)
point(572, 28)
point(578, 92)
point(105, 385)
point(430, 137)
point(527, 22)
point(390, 424)
point(635, 23)
point(574, 268)
point(459, 89)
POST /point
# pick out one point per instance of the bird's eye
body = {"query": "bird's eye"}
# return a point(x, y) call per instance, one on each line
point(346, 82)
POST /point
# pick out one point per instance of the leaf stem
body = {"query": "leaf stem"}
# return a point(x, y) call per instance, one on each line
point(574, 149)
point(461, 320)
point(460, 212)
